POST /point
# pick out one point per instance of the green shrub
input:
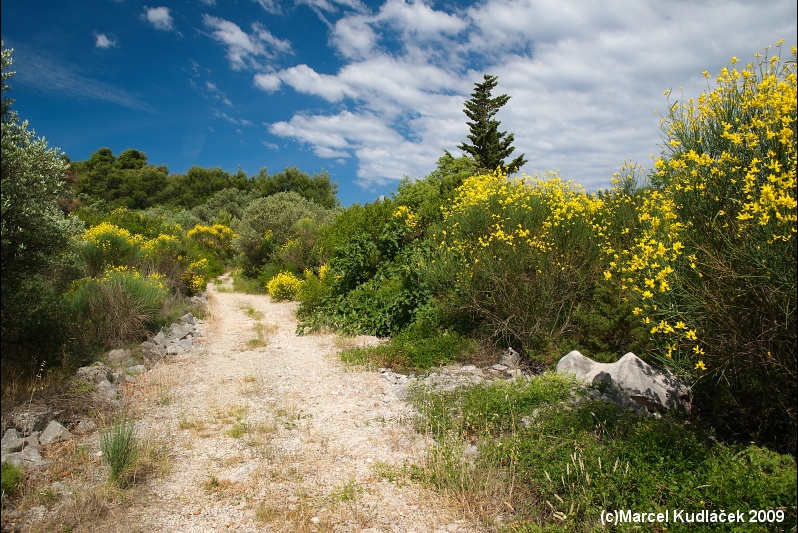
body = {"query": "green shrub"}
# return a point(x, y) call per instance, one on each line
point(416, 348)
point(268, 223)
point(120, 307)
point(12, 478)
point(559, 464)
point(106, 246)
point(313, 292)
point(513, 258)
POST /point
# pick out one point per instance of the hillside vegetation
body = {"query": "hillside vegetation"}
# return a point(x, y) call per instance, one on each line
point(692, 266)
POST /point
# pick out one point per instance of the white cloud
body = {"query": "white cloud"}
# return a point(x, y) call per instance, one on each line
point(305, 80)
point(354, 37)
point(267, 82)
point(244, 50)
point(159, 17)
point(270, 6)
point(418, 19)
point(585, 78)
point(332, 6)
point(232, 120)
point(102, 40)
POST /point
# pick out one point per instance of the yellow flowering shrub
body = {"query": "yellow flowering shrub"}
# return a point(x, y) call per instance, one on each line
point(106, 245)
point(195, 277)
point(515, 253)
point(712, 271)
point(284, 286)
point(217, 238)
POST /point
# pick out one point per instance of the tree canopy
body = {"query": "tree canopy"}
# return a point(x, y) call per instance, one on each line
point(489, 146)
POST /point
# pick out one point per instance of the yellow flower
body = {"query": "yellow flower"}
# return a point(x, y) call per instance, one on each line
point(700, 365)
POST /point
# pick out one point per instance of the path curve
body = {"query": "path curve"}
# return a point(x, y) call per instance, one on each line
point(277, 434)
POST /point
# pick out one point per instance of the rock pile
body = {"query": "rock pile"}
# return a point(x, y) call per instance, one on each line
point(178, 339)
point(35, 425)
point(27, 451)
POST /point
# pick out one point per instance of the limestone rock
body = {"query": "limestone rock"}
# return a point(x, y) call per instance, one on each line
point(54, 432)
point(95, 374)
point(12, 441)
point(510, 358)
point(120, 357)
point(654, 388)
point(29, 457)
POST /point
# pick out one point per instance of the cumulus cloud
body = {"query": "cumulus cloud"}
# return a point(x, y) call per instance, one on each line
point(159, 17)
point(245, 50)
point(585, 78)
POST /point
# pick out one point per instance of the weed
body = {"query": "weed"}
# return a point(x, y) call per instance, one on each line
point(238, 429)
point(119, 446)
point(346, 493)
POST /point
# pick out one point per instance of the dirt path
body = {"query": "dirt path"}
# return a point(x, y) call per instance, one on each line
point(268, 431)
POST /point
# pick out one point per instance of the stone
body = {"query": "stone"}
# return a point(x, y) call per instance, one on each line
point(510, 358)
point(135, 370)
point(85, 426)
point(33, 418)
point(54, 432)
point(180, 331)
point(107, 390)
point(188, 318)
point(654, 388)
point(119, 357)
point(161, 340)
point(29, 457)
point(12, 441)
point(95, 374)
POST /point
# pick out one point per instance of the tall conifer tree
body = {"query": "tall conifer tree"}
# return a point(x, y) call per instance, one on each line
point(489, 146)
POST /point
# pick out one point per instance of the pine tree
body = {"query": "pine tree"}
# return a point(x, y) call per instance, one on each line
point(489, 146)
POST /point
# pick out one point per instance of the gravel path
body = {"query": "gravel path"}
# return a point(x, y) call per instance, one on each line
point(268, 431)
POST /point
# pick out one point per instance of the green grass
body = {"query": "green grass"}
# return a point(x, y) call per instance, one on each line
point(414, 349)
point(120, 447)
point(558, 465)
point(12, 478)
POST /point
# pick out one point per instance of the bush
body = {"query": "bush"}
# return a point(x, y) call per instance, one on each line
point(283, 286)
point(216, 239)
point(268, 223)
point(514, 257)
point(120, 307)
point(107, 245)
point(713, 271)
point(558, 465)
point(416, 348)
point(313, 292)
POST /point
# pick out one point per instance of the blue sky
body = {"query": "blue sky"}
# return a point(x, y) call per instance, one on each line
point(370, 91)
